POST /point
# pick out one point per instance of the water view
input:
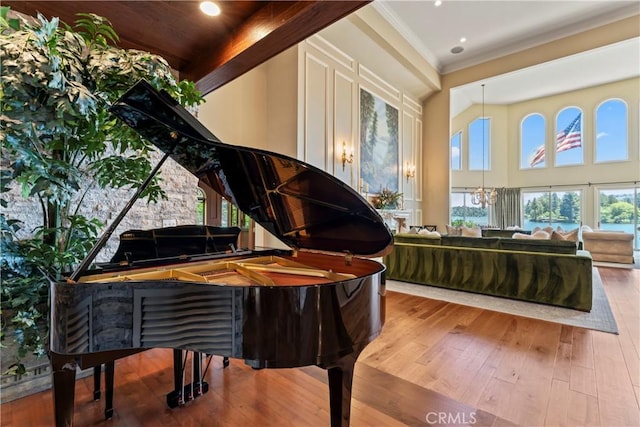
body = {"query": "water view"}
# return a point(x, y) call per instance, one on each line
point(567, 226)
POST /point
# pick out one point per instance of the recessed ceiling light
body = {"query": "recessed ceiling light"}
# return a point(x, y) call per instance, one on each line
point(463, 39)
point(457, 49)
point(437, 3)
point(210, 8)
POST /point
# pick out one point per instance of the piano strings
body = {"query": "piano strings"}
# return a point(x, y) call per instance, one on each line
point(265, 271)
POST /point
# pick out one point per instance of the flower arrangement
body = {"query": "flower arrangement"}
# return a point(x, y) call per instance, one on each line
point(386, 199)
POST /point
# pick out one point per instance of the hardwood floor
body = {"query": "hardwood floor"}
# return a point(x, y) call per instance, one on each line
point(435, 361)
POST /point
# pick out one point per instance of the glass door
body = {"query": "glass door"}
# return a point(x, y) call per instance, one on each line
point(463, 212)
point(618, 209)
point(212, 209)
point(552, 208)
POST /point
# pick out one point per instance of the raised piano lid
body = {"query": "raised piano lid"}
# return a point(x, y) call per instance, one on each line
point(305, 207)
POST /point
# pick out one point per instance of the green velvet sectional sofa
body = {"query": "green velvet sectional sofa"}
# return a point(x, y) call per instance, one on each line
point(544, 271)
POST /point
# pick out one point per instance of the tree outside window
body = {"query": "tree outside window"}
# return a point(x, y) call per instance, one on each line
point(552, 208)
point(619, 209)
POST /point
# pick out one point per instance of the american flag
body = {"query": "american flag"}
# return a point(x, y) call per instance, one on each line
point(538, 156)
point(570, 137)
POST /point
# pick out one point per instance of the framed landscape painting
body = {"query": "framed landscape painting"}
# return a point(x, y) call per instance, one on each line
point(378, 144)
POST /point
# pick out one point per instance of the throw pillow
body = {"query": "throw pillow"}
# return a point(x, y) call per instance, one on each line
point(569, 235)
point(453, 231)
point(541, 234)
point(471, 232)
point(557, 236)
point(520, 236)
point(547, 230)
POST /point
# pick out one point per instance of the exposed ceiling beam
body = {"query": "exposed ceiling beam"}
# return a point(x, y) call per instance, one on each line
point(274, 28)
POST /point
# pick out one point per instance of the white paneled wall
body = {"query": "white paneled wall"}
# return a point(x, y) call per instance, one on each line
point(329, 87)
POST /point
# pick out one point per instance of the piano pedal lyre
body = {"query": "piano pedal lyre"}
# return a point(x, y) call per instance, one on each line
point(187, 390)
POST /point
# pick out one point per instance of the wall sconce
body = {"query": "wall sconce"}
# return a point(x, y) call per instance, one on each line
point(346, 157)
point(409, 170)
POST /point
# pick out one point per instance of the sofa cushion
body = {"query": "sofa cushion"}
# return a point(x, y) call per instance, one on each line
point(471, 242)
point(539, 245)
point(418, 239)
point(496, 232)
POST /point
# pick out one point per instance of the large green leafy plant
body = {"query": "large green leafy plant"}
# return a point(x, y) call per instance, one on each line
point(59, 142)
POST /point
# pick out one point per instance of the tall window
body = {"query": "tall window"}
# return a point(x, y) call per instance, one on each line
point(568, 137)
point(464, 212)
point(552, 208)
point(611, 131)
point(532, 142)
point(200, 207)
point(619, 209)
point(456, 144)
point(476, 153)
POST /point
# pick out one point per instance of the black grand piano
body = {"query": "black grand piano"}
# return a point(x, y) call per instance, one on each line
point(319, 303)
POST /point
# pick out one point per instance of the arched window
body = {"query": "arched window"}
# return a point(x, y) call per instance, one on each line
point(476, 142)
point(456, 145)
point(568, 137)
point(611, 131)
point(532, 142)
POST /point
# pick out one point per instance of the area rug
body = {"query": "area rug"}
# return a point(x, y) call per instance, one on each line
point(600, 318)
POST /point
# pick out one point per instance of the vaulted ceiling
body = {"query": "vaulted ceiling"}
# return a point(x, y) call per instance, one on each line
point(215, 50)
point(208, 50)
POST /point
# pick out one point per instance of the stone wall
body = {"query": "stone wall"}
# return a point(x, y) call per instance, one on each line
point(180, 186)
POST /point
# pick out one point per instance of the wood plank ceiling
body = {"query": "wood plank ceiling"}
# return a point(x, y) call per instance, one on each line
point(211, 51)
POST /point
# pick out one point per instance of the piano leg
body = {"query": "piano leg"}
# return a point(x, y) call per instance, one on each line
point(340, 382)
point(63, 378)
point(97, 373)
point(109, 370)
point(176, 397)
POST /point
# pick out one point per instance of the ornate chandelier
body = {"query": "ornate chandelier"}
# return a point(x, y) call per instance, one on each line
point(483, 196)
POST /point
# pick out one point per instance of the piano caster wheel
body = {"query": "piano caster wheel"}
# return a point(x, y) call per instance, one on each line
point(225, 362)
point(174, 400)
point(108, 414)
